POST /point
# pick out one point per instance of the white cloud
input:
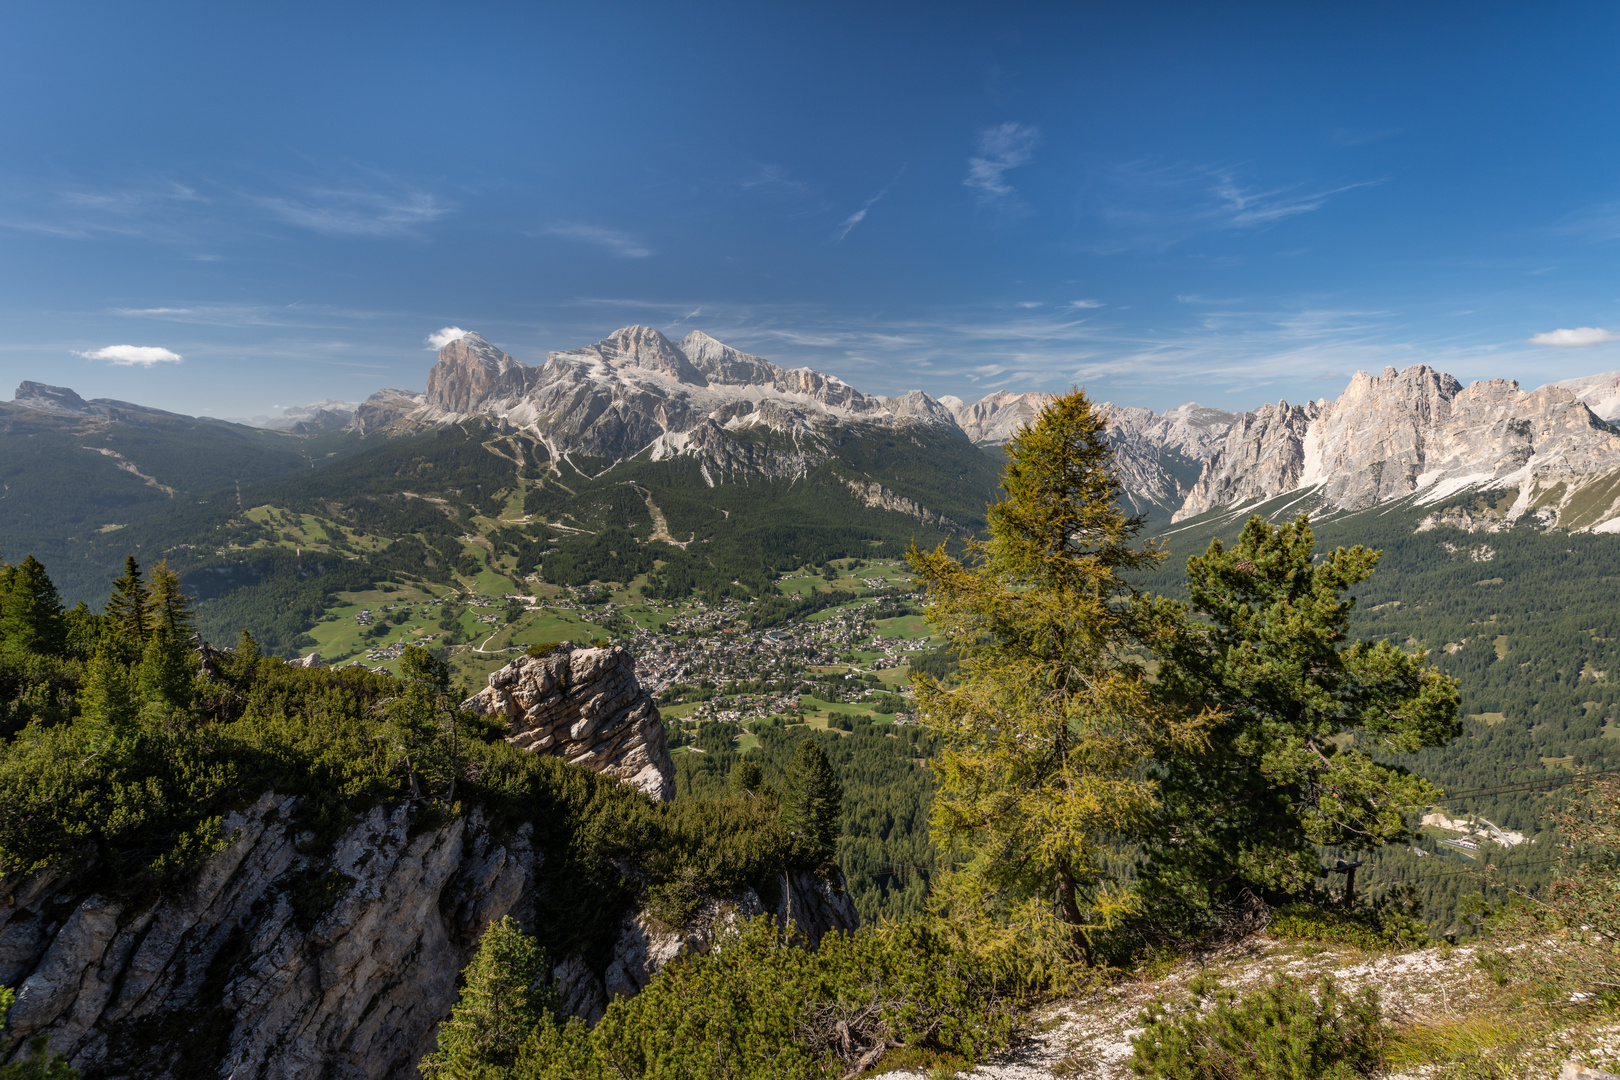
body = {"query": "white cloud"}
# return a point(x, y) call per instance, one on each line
point(440, 338)
point(860, 215)
point(133, 355)
point(1085, 304)
point(1581, 335)
point(849, 223)
point(1001, 148)
point(357, 213)
point(616, 243)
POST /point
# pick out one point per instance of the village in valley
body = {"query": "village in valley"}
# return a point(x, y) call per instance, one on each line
point(850, 661)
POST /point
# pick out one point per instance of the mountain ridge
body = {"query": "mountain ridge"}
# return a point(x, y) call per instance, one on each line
point(1417, 433)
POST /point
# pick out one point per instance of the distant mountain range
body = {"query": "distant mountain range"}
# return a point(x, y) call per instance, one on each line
point(1416, 435)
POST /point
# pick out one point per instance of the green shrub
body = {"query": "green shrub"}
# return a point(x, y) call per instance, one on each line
point(1281, 1032)
point(542, 649)
point(1393, 920)
point(758, 1007)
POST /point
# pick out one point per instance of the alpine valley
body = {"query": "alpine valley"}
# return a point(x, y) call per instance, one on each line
point(669, 562)
point(740, 526)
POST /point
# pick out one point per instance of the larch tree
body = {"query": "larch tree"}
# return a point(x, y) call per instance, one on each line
point(1308, 718)
point(1050, 727)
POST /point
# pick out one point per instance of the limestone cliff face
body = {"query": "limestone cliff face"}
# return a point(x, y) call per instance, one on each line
point(471, 373)
point(280, 964)
point(875, 495)
point(1420, 433)
point(992, 420)
point(585, 706)
point(237, 976)
point(1261, 455)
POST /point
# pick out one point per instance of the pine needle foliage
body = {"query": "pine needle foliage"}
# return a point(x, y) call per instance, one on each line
point(758, 1008)
point(1281, 1032)
point(1047, 733)
point(812, 800)
point(1308, 718)
point(502, 1000)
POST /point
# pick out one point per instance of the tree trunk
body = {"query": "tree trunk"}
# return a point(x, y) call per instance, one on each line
point(1066, 900)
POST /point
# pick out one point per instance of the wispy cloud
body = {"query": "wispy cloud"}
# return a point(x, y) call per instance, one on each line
point(1579, 337)
point(772, 178)
point(153, 210)
point(340, 212)
point(860, 215)
point(440, 338)
point(1000, 149)
point(133, 355)
point(1594, 224)
point(616, 243)
point(1146, 204)
point(1086, 305)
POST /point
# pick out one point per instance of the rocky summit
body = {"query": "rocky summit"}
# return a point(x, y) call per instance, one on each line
point(585, 706)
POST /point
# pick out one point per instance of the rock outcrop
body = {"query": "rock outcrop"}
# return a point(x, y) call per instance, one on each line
point(993, 419)
point(273, 963)
point(875, 495)
point(279, 963)
point(585, 706)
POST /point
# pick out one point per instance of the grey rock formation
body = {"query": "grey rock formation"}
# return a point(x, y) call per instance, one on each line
point(383, 409)
point(1262, 455)
point(585, 706)
point(992, 420)
point(280, 964)
point(1600, 393)
point(471, 372)
point(1419, 433)
point(637, 391)
point(54, 399)
point(873, 494)
point(240, 974)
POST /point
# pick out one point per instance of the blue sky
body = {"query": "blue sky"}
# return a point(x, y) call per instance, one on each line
point(1162, 202)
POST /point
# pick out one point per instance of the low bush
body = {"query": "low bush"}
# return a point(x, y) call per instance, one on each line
point(1281, 1032)
point(757, 1006)
point(1393, 920)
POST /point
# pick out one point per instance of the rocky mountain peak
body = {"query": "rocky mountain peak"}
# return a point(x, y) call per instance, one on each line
point(56, 399)
point(647, 349)
point(1600, 393)
point(725, 365)
point(470, 371)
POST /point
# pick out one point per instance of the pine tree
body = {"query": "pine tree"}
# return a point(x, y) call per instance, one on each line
point(163, 677)
point(169, 608)
point(812, 800)
point(1290, 764)
point(107, 699)
point(426, 724)
point(31, 617)
point(501, 1003)
point(1048, 731)
point(126, 616)
point(746, 777)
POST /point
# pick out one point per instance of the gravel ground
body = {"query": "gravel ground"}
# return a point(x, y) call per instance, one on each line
point(1089, 1038)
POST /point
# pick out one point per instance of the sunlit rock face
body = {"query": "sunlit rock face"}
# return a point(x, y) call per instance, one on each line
point(586, 707)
